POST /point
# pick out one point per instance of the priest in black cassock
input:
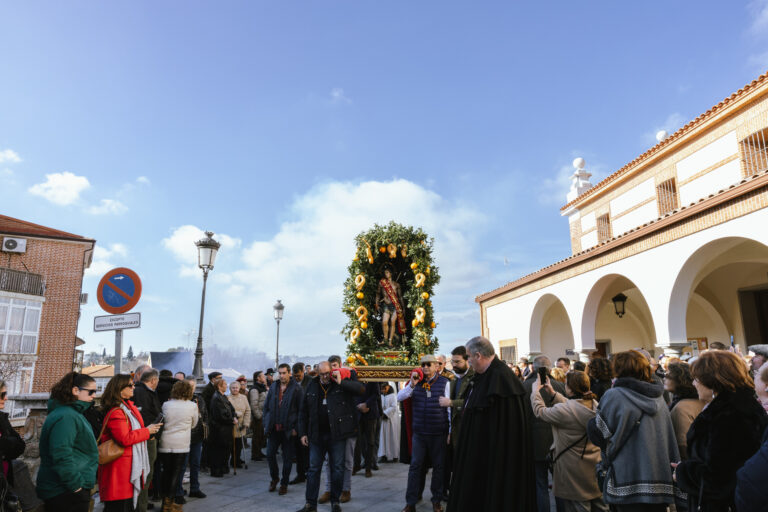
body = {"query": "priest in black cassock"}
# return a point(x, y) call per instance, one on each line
point(493, 469)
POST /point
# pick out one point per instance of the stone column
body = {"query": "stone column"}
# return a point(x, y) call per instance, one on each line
point(585, 354)
point(673, 349)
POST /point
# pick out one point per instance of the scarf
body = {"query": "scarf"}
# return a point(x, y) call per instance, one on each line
point(140, 457)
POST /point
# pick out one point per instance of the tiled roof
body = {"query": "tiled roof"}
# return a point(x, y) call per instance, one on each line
point(11, 226)
point(100, 370)
point(761, 80)
point(744, 186)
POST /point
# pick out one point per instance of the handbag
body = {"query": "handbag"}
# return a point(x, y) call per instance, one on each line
point(602, 469)
point(551, 460)
point(110, 450)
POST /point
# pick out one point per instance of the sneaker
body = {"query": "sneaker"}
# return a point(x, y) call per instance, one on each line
point(197, 494)
point(324, 498)
point(345, 496)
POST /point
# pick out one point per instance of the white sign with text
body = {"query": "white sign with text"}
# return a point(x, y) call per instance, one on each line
point(115, 322)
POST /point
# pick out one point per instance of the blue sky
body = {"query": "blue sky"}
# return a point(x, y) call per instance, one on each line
point(287, 128)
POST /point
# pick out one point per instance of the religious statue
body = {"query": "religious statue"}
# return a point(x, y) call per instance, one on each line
point(389, 300)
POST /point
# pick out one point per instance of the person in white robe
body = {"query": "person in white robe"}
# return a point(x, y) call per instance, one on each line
point(389, 443)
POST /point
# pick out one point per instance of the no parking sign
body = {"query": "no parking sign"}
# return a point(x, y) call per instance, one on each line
point(119, 290)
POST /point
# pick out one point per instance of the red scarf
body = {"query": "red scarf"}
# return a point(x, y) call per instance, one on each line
point(395, 302)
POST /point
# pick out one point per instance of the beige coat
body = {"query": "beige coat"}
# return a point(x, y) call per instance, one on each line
point(683, 414)
point(256, 399)
point(243, 411)
point(574, 476)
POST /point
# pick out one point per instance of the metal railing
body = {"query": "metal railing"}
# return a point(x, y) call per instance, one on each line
point(16, 281)
point(754, 150)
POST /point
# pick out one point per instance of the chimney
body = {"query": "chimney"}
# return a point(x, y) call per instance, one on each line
point(579, 180)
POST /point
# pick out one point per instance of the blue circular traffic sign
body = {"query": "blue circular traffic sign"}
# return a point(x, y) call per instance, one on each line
point(119, 290)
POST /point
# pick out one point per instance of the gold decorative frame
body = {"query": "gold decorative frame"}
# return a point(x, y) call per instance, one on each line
point(383, 373)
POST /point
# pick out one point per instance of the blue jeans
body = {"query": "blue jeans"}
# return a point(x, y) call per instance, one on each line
point(193, 460)
point(317, 451)
point(284, 440)
point(542, 487)
point(435, 447)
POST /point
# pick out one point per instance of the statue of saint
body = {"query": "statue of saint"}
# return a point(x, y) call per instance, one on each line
point(389, 299)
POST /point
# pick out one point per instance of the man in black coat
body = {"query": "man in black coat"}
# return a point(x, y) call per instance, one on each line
point(222, 419)
point(493, 469)
point(165, 385)
point(369, 407)
point(302, 452)
point(542, 431)
point(281, 423)
point(146, 401)
point(326, 421)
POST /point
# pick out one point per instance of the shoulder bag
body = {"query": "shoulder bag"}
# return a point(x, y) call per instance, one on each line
point(110, 450)
point(552, 459)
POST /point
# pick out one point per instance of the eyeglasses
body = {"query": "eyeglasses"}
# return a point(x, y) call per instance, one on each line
point(425, 365)
point(91, 392)
point(131, 385)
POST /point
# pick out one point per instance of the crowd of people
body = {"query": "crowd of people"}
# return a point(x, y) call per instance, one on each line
point(625, 433)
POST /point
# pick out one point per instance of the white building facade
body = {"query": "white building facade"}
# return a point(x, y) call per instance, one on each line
point(681, 233)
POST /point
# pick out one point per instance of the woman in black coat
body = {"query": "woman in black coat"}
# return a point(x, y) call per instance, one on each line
point(222, 417)
point(724, 435)
point(11, 444)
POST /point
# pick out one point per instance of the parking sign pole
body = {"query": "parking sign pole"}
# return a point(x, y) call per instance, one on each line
point(118, 351)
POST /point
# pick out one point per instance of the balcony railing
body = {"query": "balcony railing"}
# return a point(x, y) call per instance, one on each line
point(16, 281)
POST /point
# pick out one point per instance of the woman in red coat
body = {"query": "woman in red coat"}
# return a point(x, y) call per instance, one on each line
point(121, 480)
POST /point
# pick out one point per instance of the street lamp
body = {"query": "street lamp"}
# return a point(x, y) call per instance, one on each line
point(278, 309)
point(206, 255)
point(620, 304)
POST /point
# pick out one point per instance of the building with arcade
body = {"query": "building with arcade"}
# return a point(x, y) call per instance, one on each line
point(669, 252)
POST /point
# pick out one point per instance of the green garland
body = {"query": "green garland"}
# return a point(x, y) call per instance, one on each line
point(417, 247)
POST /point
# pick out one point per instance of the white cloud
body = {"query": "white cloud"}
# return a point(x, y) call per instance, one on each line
point(108, 207)
point(758, 10)
point(305, 262)
point(182, 244)
point(104, 257)
point(338, 96)
point(9, 156)
point(61, 188)
point(143, 180)
point(671, 124)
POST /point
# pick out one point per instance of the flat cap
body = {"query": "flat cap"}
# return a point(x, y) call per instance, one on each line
point(428, 358)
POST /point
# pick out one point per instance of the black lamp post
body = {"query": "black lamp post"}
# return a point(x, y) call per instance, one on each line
point(619, 304)
point(206, 256)
point(278, 310)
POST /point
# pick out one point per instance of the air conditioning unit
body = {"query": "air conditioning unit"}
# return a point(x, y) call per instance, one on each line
point(14, 245)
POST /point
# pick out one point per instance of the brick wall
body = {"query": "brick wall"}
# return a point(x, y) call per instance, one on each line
point(61, 265)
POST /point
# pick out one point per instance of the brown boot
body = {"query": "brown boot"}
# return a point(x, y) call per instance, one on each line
point(345, 496)
point(167, 504)
point(324, 498)
point(283, 490)
point(437, 507)
point(273, 485)
point(176, 507)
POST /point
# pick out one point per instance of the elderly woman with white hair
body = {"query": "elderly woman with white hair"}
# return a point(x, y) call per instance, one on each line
point(243, 414)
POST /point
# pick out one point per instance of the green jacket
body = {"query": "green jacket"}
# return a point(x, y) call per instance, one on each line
point(69, 456)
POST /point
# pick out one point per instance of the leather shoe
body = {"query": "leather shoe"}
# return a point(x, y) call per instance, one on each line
point(324, 498)
point(345, 496)
point(437, 507)
point(197, 494)
point(307, 508)
point(273, 485)
point(409, 508)
point(283, 490)
point(335, 507)
point(368, 473)
point(298, 480)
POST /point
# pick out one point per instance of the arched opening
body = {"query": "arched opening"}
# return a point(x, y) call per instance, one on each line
point(609, 332)
point(550, 331)
point(721, 293)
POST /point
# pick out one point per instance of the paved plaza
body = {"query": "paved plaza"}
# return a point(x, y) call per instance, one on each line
point(384, 492)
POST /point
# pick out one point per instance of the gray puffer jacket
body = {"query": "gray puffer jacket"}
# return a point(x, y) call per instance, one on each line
point(634, 430)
